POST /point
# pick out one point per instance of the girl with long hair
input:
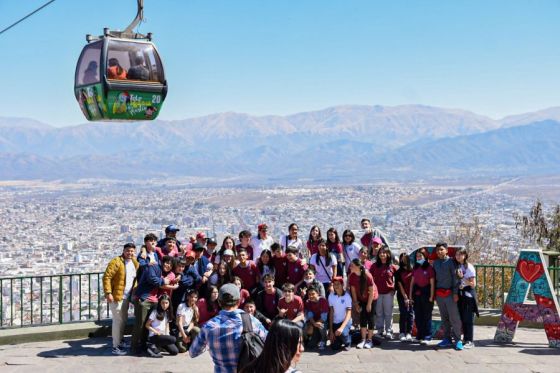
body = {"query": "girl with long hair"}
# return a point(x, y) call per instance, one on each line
point(364, 296)
point(422, 292)
point(208, 306)
point(313, 240)
point(158, 328)
point(228, 244)
point(324, 264)
point(467, 295)
point(403, 277)
point(282, 349)
point(335, 247)
point(292, 240)
point(350, 248)
point(383, 272)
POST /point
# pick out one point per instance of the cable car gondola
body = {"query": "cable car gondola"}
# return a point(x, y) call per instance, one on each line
point(119, 76)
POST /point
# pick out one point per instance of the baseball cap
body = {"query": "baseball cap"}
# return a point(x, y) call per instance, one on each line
point(198, 247)
point(262, 227)
point(190, 254)
point(377, 240)
point(200, 235)
point(211, 241)
point(228, 252)
point(229, 293)
point(338, 279)
point(171, 228)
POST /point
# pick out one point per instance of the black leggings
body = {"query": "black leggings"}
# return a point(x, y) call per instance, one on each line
point(167, 342)
point(466, 311)
point(367, 319)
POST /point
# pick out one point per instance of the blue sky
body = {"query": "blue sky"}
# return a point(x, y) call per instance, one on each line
point(285, 56)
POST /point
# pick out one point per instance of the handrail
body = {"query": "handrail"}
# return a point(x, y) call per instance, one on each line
point(78, 297)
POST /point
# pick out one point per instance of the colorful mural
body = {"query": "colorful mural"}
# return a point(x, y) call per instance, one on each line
point(530, 274)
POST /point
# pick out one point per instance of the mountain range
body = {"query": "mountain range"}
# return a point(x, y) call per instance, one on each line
point(343, 144)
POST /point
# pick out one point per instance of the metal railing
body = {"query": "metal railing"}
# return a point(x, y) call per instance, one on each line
point(59, 299)
point(52, 299)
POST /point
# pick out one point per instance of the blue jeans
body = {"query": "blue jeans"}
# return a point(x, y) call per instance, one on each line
point(344, 338)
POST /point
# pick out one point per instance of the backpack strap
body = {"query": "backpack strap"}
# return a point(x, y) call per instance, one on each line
point(247, 324)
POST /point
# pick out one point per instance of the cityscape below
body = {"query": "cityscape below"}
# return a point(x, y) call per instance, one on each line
point(60, 228)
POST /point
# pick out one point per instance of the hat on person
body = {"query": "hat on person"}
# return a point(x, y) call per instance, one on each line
point(211, 241)
point(337, 279)
point(377, 240)
point(171, 228)
point(228, 252)
point(198, 247)
point(200, 235)
point(189, 254)
point(262, 227)
point(229, 293)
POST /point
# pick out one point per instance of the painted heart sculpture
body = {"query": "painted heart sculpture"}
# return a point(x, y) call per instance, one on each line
point(529, 270)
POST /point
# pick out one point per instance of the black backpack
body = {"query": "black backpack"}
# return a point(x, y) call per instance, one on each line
point(251, 343)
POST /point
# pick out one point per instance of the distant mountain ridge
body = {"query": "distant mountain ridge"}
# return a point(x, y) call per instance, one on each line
point(353, 141)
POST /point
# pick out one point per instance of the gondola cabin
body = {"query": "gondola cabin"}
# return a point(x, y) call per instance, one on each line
point(120, 79)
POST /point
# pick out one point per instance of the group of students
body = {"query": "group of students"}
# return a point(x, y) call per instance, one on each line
point(332, 289)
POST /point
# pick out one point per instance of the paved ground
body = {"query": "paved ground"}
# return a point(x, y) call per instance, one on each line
point(530, 353)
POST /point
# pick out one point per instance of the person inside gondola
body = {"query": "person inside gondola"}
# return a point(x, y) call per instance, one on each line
point(90, 75)
point(115, 70)
point(138, 71)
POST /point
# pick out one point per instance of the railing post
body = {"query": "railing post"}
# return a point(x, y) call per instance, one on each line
point(60, 314)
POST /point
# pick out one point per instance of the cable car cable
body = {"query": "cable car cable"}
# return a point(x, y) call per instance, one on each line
point(27, 16)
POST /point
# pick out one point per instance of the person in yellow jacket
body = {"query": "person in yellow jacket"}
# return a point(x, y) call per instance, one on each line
point(118, 283)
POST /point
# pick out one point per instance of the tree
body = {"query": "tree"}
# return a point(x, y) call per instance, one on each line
point(539, 227)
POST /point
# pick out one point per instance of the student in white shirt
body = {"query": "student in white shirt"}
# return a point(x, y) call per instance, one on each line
point(340, 319)
point(324, 264)
point(186, 321)
point(467, 295)
point(158, 328)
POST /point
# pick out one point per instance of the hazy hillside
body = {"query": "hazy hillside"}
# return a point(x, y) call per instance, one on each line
point(344, 143)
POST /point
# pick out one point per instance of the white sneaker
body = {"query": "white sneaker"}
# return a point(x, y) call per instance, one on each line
point(424, 342)
point(389, 335)
point(380, 334)
point(402, 337)
point(408, 337)
point(468, 344)
point(361, 344)
point(368, 344)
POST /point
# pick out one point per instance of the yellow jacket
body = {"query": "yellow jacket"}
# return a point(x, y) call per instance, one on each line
point(114, 279)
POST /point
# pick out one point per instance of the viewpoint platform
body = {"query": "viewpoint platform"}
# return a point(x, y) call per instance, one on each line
point(528, 353)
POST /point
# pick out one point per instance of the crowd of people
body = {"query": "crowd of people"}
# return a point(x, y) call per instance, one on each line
point(335, 292)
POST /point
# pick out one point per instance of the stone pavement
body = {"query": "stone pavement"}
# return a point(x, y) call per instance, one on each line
point(529, 353)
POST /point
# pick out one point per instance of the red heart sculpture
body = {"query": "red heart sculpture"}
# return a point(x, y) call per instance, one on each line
point(529, 270)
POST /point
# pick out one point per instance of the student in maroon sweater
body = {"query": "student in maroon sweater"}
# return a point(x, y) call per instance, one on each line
point(294, 267)
point(422, 292)
point(364, 297)
point(383, 272)
point(316, 313)
point(245, 243)
point(290, 305)
point(280, 264)
point(403, 278)
point(246, 270)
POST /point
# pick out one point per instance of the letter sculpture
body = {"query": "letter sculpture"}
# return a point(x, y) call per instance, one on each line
point(530, 273)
